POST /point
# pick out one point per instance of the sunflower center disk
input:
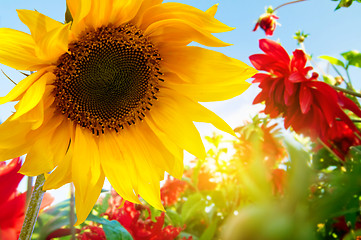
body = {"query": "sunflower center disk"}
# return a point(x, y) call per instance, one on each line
point(108, 78)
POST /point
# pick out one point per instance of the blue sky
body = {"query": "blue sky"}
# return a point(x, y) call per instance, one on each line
point(331, 32)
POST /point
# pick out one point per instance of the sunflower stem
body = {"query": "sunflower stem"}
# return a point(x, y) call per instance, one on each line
point(29, 190)
point(33, 209)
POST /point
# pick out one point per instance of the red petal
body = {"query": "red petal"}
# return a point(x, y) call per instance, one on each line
point(296, 77)
point(260, 77)
point(274, 49)
point(262, 61)
point(255, 27)
point(299, 60)
point(347, 103)
point(305, 99)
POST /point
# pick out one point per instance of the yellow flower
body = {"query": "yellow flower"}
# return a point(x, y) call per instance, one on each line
point(114, 94)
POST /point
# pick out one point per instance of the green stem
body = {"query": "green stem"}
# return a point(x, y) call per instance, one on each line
point(349, 84)
point(347, 91)
point(330, 150)
point(33, 209)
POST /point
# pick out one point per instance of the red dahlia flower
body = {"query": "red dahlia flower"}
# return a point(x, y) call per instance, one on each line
point(92, 233)
point(12, 204)
point(171, 191)
point(131, 217)
point(309, 106)
point(267, 22)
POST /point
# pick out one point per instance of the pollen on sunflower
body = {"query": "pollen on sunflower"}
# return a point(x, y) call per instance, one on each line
point(114, 94)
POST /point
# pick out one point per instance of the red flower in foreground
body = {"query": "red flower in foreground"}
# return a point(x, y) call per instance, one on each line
point(12, 204)
point(92, 233)
point(131, 217)
point(171, 191)
point(309, 106)
point(267, 22)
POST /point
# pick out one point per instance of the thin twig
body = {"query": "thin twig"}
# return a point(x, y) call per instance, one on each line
point(8, 77)
point(346, 91)
point(330, 150)
point(353, 120)
point(288, 3)
point(357, 135)
point(33, 209)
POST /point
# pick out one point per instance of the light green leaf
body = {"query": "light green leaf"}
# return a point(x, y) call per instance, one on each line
point(333, 60)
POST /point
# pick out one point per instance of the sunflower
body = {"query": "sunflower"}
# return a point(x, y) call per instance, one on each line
point(114, 94)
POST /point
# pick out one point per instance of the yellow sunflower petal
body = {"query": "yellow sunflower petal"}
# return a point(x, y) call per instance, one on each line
point(85, 165)
point(17, 50)
point(63, 172)
point(149, 175)
point(38, 23)
point(193, 15)
point(203, 92)
point(61, 140)
point(22, 86)
point(179, 31)
point(31, 97)
point(124, 11)
point(199, 65)
point(13, 142)
point(194, 110)
point(213, 10)
point(86, 203)
point(79, 9)
point(53, 44)
point(146, 4)
point(39, 158)
point(118, 167)
point(179, 128)
point(169, 155)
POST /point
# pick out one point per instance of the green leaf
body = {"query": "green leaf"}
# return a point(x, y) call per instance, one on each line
point(192, 206)
point(175, 218)
point(333, 60)
point(353, 57)
point(102, 208)
point(113, 229)
point(210, 231)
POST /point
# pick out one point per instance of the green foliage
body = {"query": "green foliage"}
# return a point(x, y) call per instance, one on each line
point(52, 219)
point(345, 3)
point(353, 58)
